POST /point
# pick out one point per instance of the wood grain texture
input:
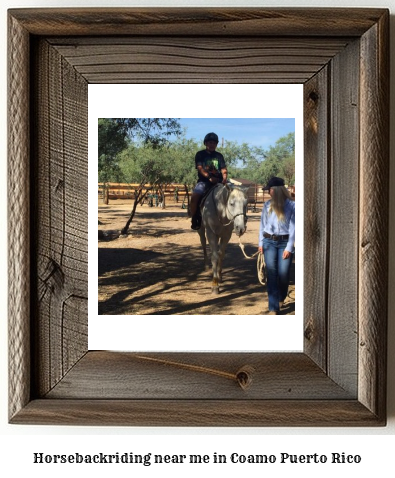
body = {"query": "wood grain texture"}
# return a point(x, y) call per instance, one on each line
point(185, 60)
point(344, 216)
point(374, 223)
point(340, 377)
point(201, 413)
point(198, 375)
point(18, 212)
point(61, 204)
point(229, 22)
point(316, 214)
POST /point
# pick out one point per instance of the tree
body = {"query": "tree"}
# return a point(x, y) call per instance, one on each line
point(289, 170)
point(234, 153)
point(143, 164)
point(251, 163)
point(111, 140)
point(279, 160)
point(115, 134)
point(181, 163)
point(153, 131)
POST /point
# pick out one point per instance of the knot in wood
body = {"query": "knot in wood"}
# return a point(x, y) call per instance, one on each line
point(308, 332)
point(313, 96)
point(244, 376)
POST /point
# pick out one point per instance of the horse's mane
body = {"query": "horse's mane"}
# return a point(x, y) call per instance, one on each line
point(238, 191)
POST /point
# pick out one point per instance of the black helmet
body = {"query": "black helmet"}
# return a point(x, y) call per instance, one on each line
point(211, 137)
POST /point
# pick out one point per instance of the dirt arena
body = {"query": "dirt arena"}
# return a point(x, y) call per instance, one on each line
point(158, 268)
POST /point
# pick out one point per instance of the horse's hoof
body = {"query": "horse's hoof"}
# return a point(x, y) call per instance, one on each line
point(215, 290)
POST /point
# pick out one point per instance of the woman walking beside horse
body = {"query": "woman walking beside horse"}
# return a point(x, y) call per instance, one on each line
point(276, 241)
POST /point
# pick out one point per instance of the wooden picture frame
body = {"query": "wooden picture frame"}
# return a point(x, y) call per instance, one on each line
point(342, 58)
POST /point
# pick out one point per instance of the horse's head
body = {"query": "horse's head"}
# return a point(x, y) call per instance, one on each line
point(237, 208)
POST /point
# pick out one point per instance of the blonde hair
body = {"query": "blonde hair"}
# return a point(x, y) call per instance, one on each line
point(280, 195)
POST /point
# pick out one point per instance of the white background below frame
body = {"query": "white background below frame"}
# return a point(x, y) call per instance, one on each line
point(194, 332)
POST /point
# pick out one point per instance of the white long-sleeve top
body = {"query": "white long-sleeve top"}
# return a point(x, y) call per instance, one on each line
point(271, 225)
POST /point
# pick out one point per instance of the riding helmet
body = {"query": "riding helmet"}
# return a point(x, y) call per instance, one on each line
point(211, 137)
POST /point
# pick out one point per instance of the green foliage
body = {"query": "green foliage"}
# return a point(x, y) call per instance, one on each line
point(235, 153)
point(181, 162)
point(116, 134)
point(111, 140)
point(279, 160)
point(139, 150)
point(155, 131)
point(144, 164)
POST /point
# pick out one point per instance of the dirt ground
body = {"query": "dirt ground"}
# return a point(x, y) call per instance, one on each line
point(158, 269)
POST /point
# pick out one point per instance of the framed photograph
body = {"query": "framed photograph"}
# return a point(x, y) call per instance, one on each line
point(156, 271)
point(341, 57)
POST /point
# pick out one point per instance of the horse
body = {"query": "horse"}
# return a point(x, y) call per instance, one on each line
point(223, 210)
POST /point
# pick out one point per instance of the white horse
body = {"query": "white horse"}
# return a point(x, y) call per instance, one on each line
point(223, 210)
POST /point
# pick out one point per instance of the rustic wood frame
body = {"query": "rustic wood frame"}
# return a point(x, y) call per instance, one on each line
point(342, 57)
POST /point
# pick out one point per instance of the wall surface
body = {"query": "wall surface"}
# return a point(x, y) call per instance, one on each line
point(374, 445)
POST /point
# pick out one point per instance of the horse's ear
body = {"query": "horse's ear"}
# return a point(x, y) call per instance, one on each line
point(229, 186)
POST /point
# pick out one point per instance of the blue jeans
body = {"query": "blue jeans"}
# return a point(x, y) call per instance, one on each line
point(277, 270)
point(202, 187)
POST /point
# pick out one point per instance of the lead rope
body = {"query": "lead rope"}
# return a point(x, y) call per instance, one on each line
point(261, 266)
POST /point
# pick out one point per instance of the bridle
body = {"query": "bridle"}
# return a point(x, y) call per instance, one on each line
point(228, 211)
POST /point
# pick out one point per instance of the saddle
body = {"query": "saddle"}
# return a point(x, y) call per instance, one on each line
point(205, 195)
point(197, 218)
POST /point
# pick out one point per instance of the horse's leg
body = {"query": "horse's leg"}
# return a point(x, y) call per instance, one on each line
point(213, 241)
point(203, 242)
point(221, 253)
